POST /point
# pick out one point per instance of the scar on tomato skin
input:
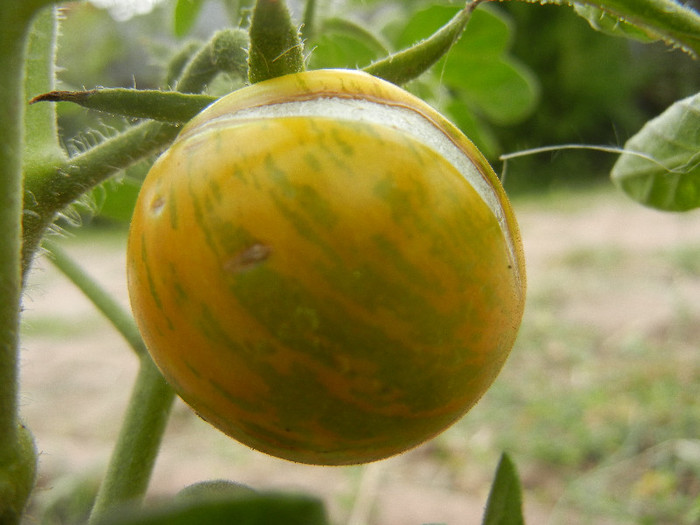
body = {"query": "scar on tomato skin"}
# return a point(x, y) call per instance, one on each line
point(249, 258)
point(157, 205)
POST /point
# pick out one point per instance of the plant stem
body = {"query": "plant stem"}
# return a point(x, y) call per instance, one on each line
point(409, 63)
point(135, 452)
point(50, 192)
point(14, 22)
point(113, 311)
point(17, 452)
point(147, 414)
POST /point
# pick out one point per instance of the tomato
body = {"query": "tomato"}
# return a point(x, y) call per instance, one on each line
point(325, 268)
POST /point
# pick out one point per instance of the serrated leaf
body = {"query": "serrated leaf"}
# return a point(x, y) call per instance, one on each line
point(504, 506)
point(186, 12)
point(612, 25)
point(668, 20)
point(259, 509)
point(661, 164)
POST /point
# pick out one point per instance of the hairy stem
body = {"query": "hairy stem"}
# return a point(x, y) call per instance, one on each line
point(137, 446)
point(51, 189)
point(48, 193)
point(17, 453)
point(408, 64)
point(15, 24)
point(135, 452)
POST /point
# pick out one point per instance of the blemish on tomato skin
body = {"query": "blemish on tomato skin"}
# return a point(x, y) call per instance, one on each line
point(248, 259)
point(157, 205)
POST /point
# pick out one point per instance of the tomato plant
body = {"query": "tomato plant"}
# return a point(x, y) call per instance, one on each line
point(324, 287)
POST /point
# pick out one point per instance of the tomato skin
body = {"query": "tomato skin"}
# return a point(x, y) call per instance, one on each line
point(322, 289)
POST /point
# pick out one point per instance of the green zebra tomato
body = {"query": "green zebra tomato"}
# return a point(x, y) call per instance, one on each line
point(325, 268)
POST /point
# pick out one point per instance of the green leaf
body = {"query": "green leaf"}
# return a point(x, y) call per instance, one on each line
point(504, 506)
point(611, 25)
point(165, 106)
point(275, 45)
point(661, 164)
point(342, 43)
point(485, 76)
point(667, 20)
point(258, 509)
point(186, 12)
point(479, 81)
point(217, 489)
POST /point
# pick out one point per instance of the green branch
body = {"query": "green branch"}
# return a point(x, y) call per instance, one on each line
point(48, 193)
point(136, 450)
point(52, 188)
point(137, 446)
point(225, 52)
point(14, 32)
point(17, 455)
point(410, 63)
point(165, 106)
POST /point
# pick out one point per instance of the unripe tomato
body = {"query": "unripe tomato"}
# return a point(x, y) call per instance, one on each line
point(326, 269)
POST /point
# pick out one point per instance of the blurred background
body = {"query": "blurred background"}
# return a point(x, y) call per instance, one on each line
point(598, 404)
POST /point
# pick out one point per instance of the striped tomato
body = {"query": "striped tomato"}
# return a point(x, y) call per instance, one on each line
point(326, 269)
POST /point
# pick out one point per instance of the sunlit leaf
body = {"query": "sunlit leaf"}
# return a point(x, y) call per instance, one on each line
point(661, 165)
point(478, 70)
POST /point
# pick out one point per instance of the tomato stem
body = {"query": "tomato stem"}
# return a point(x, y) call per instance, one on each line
point(136, 450)
point(17, 462)
point(410, 63)
point(51, 190)
point(12, 51)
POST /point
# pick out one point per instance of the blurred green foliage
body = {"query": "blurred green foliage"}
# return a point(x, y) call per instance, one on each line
point(596, 89)
point(522, 76)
